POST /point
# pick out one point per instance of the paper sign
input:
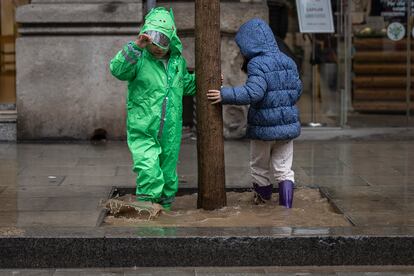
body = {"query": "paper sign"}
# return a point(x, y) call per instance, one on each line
point(315, 16)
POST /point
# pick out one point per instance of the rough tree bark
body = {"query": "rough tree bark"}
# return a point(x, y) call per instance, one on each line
point(210, 146)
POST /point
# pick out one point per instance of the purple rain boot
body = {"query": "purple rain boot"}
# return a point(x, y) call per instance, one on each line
point(286, 193)
point(262, 194)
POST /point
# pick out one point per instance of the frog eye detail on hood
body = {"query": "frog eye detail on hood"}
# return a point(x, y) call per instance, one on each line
point(161, 20)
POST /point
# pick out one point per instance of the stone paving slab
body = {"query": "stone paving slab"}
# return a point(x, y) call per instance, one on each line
point(52, 204)
point(51, 219)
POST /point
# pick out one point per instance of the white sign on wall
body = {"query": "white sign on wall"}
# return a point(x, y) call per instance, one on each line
point(315, 16)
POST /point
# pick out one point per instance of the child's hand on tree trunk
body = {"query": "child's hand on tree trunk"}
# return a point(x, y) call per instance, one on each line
point(215, 95)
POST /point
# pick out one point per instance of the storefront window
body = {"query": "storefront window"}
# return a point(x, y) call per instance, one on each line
point(380, 78)
point(360, 75)
point(7, 53)
point(317, 59)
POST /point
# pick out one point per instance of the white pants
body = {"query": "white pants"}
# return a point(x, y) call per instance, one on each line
point(268, 156)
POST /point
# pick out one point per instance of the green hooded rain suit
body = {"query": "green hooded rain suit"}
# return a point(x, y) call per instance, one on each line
point(154, 105)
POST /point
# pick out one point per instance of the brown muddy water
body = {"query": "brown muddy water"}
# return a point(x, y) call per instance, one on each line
point(309, 209)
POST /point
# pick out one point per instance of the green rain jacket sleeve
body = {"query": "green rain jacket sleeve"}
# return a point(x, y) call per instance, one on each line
point(189, 81)
point(124, 65)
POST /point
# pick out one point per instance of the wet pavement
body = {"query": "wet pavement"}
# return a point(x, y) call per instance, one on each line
point(371, 182)
point(51, 197)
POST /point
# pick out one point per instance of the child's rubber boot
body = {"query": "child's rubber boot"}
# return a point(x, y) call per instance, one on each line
point(166, 203)
point(166, 207)
point(286, 193)
point(262, 194)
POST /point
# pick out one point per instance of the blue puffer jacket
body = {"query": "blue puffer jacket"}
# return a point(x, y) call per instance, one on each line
point(272, 88)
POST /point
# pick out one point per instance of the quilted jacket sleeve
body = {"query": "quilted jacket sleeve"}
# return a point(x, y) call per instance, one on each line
point(252, 91)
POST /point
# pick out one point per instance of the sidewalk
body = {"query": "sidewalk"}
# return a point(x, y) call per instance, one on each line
point(51, 196)
point(221, 271)
point(63, 184)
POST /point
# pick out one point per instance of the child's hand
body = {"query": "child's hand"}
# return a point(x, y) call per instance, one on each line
point(143, 40)
point(214, 96)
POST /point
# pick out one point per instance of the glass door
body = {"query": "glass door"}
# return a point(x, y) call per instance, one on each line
point(379, 46)
point(7, 53)
point(318, 60)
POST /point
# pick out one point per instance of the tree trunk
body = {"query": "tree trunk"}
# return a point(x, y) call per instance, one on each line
point(210, 147)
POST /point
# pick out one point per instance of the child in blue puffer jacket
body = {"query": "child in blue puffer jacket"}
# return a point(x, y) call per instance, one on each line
point(272, 89)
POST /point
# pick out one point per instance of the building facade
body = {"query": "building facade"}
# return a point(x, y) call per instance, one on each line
point(64, 88)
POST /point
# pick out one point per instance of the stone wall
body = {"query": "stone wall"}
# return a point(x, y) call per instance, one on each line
point(64, 87)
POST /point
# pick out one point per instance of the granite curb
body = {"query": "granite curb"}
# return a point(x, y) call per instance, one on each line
point(75, 247)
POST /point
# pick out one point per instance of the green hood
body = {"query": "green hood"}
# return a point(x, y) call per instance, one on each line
point(161, 20)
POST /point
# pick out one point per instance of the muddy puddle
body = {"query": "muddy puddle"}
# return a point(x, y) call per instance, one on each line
point(309, 209)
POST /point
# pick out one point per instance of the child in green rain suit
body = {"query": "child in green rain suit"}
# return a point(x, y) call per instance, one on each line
point(157, 79)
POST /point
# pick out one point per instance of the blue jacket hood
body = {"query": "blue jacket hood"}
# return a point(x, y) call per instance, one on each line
point(272, 87)
point(255, 37)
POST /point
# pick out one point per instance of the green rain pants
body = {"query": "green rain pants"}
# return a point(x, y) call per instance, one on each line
point(154, 160)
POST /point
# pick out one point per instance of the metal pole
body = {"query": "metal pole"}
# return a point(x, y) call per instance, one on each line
point(345, 33)
point(339, 58)
point(313, 79)
point(313, 122)
point(151, 4)
point(408, 77)
point(347, 62)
